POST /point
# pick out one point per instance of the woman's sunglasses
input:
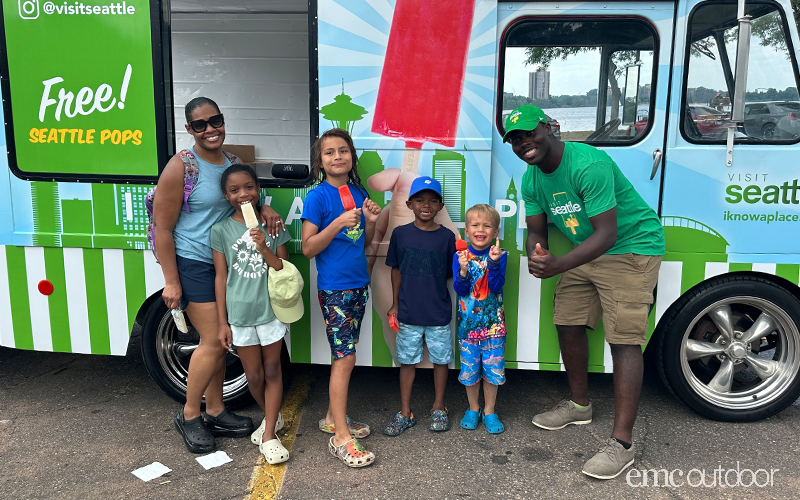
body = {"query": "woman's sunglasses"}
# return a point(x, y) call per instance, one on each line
point(215, 121)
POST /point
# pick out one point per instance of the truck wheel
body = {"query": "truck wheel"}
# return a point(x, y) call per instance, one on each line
point(167, 351)
point(730, 349)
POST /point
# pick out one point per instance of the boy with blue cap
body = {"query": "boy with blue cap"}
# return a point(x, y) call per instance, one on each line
point(420, 254)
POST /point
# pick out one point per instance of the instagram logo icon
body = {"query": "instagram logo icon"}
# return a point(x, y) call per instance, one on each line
point(28, 9)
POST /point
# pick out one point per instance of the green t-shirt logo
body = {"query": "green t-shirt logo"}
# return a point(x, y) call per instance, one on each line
point(561, 205)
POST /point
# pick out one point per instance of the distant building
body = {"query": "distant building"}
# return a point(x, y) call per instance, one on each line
point(539, 85)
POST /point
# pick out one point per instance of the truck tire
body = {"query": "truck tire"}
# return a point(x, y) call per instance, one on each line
point(730, 349)
point(167, 351)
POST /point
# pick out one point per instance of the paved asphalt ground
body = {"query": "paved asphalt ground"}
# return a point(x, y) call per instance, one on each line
point(74, 427)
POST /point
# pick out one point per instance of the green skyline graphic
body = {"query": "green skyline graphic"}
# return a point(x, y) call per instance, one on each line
point(343, 112)
point(450, 169)
point(72, 222)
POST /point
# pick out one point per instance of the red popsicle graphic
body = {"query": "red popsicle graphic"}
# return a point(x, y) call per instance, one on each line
point(347, 198)
point(419, 96)
point(461, 245)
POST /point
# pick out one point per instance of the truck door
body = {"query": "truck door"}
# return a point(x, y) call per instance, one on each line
point(599, 71)
point(742, 217)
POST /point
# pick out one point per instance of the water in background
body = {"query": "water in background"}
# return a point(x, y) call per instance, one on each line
point(580, 119)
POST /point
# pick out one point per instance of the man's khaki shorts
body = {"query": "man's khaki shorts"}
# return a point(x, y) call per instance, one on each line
point(618, 288)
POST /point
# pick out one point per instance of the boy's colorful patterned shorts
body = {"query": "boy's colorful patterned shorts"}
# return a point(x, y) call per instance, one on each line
point(343, 311)
point(483, 359)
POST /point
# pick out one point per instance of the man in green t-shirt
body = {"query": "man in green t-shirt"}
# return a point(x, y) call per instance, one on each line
point(611, 272)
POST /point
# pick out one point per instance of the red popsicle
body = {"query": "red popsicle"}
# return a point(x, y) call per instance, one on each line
point(347, 198)
point(461, 245)
point(419, 96)
point(393, 324)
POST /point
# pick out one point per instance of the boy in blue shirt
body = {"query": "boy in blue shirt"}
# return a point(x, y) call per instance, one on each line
point(479, 274)
point(419, 255)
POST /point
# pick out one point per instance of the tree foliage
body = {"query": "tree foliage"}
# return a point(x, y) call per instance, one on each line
point(542, 57)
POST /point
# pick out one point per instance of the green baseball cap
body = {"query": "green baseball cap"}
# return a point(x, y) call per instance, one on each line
point(525, 117)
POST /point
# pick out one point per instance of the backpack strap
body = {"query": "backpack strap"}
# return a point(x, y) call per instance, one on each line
point(190, 175)
point(191, 172)
point(231, 157)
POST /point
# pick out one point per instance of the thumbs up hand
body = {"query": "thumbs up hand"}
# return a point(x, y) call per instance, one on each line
point(542, 263)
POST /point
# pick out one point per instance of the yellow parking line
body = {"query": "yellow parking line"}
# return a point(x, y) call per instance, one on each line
point(266, 481)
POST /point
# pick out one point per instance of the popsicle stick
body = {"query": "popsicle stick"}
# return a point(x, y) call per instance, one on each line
point(410, 161)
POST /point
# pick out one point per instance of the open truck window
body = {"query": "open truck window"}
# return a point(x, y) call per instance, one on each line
point(593, 78)
point(252, 59)
point(772, 103)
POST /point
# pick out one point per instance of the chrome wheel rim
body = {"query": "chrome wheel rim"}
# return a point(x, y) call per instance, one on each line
point(174, 350)
point(741, 353)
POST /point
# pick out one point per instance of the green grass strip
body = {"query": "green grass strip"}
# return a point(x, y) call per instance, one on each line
point(96, 300)
point(135, 291)
point(301, 329)
point(18, 291)
point(57, 301)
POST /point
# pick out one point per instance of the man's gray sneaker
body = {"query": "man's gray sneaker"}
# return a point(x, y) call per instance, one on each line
point(610, 461)
point(563, 414)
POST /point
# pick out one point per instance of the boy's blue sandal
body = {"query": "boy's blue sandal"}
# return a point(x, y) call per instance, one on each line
point(493, 423)
point(471, 420)
point(398, 424)
point(440, 421)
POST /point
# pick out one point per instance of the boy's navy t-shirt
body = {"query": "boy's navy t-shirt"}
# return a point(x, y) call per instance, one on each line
point(423, 258)
point(342, 265)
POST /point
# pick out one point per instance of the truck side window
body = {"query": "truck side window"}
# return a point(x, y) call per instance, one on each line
point(772, 102)
point(592, 77)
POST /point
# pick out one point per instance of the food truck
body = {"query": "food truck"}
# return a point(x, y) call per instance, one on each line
point(93, 94)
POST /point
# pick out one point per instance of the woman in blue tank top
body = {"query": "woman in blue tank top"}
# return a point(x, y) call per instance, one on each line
point(184, 251)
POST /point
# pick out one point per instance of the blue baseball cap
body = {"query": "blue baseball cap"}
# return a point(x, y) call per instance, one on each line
point(423, 183)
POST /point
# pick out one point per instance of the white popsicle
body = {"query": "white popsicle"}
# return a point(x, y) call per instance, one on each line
point(250, 219)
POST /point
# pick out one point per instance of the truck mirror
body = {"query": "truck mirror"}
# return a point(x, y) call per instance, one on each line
point(631, 96)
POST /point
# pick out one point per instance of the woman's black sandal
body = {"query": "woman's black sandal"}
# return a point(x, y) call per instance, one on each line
point(229, 424)
point(195, 435)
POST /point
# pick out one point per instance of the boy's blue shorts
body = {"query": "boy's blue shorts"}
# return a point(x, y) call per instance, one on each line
point(343, 311)
point(197, 281)
point(484, 359)
point(409, 344)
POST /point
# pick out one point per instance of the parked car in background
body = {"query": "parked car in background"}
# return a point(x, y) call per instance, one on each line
point(788, 127)
point(555, 127)
point(710, 122)
point(761, 118)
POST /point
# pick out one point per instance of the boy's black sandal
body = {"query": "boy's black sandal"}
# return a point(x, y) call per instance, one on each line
point(194, 433)
point(229, 424)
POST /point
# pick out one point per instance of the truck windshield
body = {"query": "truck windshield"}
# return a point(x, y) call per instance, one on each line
point(592, 77)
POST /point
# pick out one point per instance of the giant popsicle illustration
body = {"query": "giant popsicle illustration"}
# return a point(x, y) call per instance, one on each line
point(419, 100)
point(419, 96)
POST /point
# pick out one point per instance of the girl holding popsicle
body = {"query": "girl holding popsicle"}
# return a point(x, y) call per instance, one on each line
point(243, 254)
point(338, 223)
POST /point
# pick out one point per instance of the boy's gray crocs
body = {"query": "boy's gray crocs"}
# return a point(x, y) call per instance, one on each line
point(610, 461)
point(563, 414)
